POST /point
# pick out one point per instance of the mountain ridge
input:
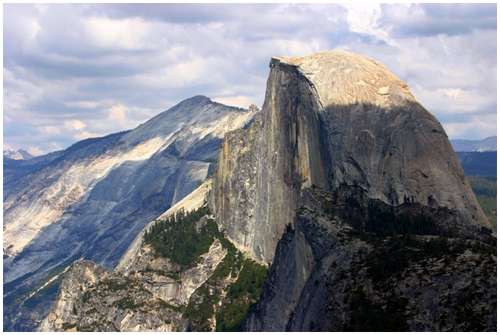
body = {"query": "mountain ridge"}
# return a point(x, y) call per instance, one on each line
point(483, 145)
point(20, 154)
point(103, 191)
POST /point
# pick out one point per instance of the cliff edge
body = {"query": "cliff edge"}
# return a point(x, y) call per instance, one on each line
point(336, 120)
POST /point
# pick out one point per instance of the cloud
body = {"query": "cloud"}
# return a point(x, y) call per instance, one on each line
point(35, 151)
point(238, 101)
point(75, 125)
point(85, 134)
point(118, 113)
point(121, 64)
point(128, 34)
point(85, 104)
point(364, 18)
point(434, 19)
point(187, 13)
point(475, 127)
point(50, 130)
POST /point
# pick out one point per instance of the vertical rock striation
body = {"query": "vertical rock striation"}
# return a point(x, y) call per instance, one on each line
point(329, 120)
point(382, 218)
point(262, 169)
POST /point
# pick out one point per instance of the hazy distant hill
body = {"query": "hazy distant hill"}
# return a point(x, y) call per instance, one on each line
point(479, 163)
point(486, 144)
point(17, 154)
point(480, 167)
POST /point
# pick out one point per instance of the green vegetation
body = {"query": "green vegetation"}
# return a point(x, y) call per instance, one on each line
point(183, 238)
point(115, 285)
point(178, 238)
point(86, 296)
point(489, 206)
point(469, 316)
point(385, 220)
point(485, 186)
point(248, 279)
point(67, 325)
point(485, 189)
point(369, 316)
point(394, 255)
point(479, 163)
point(352, 204)
point(171, 274)
point(241, 295)
point(203, 302)
point(127, 303)
point(201, 307)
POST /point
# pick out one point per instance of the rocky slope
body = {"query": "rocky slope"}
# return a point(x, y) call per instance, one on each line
point(151, 290)
point(334, 272)
point(91, 200)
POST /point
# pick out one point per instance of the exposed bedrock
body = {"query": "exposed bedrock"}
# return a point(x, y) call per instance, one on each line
point(348, 264)
point(332, 119)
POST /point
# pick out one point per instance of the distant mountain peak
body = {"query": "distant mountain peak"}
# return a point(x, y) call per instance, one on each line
point(200, 98)
point(129, 178)
point(196, 100)
point(20, 154)
point(486, 144)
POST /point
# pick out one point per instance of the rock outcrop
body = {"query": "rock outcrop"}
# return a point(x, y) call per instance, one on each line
point(333, 119)
point(330, 274)
point(151, 291)
point(373, 203)
point(149, 299)
point(91, 200)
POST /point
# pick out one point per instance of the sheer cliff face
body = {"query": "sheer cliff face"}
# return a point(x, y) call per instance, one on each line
point(328, 120)
point(262, 169)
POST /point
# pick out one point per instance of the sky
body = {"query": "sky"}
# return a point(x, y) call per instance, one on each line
point(77, 71)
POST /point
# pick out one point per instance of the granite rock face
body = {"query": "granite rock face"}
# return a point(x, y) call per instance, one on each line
point(333, 119)
point(91, 200)
point(261, 169)
point(149, 291)
point(330, 274)
point(148, 299)
point(361, 187)
point(143, 293)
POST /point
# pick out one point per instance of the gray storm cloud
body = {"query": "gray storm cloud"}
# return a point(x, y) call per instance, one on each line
point(77, 71)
